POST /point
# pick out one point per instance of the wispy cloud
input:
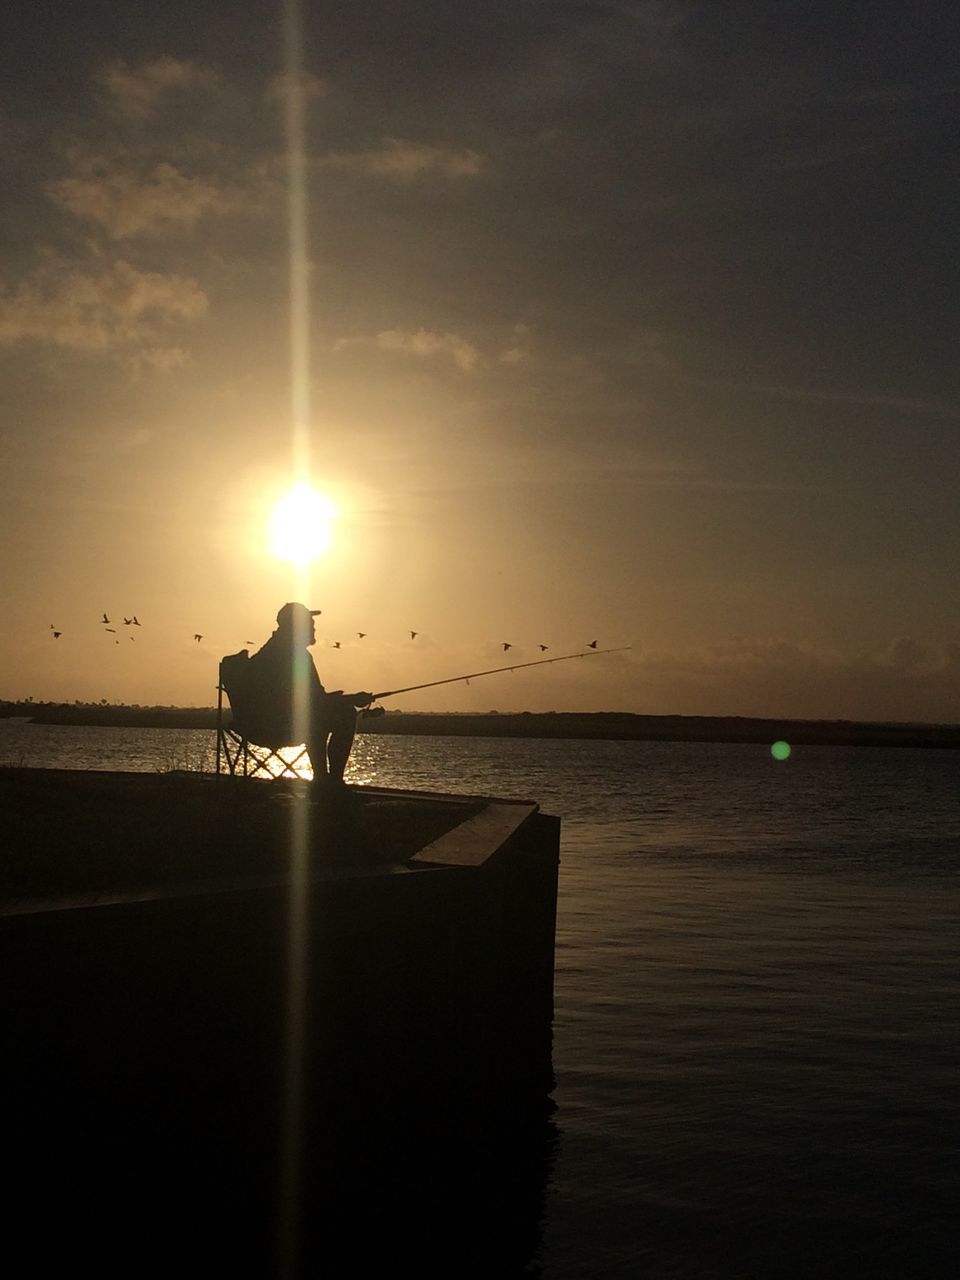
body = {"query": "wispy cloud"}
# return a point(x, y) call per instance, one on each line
point(138, 91)
point(900, 679)
point(896, 94)
point(159, 359)
point(507, 351)
point(908, 655)
point(518, 350)
point(420, 343)
point(404, 161)
point(282, 88)
point(866, 400)
point(119, 307)
point(127, 203)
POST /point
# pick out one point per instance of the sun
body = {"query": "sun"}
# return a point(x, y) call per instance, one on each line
point(301, 525)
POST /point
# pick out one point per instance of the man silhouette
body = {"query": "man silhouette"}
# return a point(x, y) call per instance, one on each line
point(285, 674)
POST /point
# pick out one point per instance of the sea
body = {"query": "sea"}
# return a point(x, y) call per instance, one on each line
point(757, 1027)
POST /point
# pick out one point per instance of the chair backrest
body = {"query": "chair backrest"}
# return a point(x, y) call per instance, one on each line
point(256, 716)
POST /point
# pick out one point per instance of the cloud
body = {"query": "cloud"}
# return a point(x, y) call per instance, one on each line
point(901, 679)
point(465, 355)
point(597, 47)
point(138, 91)
point(421, 343)
point(160, 359)
point(405, 161)
point(748, 653)
point(125, 203)
point(116, 308)
point(906, 655)
point(512, 356)
point(519, 350)
point(284, 87)
point(865, 400)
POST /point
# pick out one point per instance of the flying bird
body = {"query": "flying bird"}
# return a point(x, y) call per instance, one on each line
point(506, 646)
point(248, 642)
point(57, 635)
point(197, 637)
point(127, 622)
point(336, 644)
point(136, 621)
point(544, 648)
point(105, 618)
point(414, 634)
point(112, 630)
point(361, 634)
point(592, 644)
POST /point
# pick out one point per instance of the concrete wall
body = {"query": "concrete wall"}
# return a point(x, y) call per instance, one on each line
point(147, 1067)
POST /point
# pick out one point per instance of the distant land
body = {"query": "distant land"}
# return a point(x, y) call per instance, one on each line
point(612, 725)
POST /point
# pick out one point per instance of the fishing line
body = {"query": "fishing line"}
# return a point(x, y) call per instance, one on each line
point(517, 666)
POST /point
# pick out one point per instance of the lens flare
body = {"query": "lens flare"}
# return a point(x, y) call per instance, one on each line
point(780, 750)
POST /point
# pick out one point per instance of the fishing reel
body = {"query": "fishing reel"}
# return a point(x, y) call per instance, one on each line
point(372, 711)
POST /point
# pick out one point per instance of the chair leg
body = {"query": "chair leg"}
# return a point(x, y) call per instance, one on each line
point(219, 716)
point(231, 745)
point(241, 758)
point(273, 765)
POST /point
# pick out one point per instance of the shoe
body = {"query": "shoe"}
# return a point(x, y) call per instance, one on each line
point(329, 789)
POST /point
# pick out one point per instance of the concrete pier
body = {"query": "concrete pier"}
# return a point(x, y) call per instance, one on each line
point(225, 1003)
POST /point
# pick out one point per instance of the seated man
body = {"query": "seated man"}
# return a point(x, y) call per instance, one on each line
point(285, 676)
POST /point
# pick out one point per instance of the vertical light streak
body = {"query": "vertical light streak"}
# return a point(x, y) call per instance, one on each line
point(292, 1102)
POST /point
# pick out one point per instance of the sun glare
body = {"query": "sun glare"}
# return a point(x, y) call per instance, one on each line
point(301, 525)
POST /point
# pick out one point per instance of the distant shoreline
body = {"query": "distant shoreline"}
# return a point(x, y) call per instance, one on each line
point(615, 726)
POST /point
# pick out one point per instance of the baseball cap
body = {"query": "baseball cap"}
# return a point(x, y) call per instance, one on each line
point(292, 612)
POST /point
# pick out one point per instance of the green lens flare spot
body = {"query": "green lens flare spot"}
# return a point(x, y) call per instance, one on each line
point(780, 750)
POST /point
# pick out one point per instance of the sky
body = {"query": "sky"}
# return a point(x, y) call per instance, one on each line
point(622, 322)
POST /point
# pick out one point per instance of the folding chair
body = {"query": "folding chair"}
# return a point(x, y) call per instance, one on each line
point(252, 742)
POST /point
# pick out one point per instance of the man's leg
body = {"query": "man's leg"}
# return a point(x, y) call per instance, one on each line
point(317, 752)
point(343, 730)
point(333, 728)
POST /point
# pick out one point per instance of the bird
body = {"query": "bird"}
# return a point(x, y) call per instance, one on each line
point(414, 634)
point(361, 634)
point(544, 648)
point(506, 646)
point(197, 637)
point(592, 644)
point(248, 642)
point(127, 622)
point(105, 619)
point(57, 634)
point(112, 630)
point(136, 621)
point(336, 644)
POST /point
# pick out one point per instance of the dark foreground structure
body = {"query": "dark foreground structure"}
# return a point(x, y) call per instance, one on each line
point(249, 1034)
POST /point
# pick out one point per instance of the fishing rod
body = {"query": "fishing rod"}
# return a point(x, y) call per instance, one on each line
point(517, 666)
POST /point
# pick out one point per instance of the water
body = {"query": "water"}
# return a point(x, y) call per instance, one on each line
point(757, 996)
